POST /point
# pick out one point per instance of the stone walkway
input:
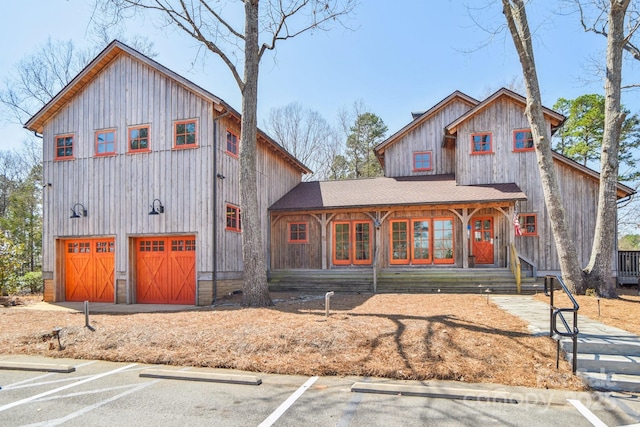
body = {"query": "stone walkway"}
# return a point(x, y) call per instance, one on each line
point(608, 357)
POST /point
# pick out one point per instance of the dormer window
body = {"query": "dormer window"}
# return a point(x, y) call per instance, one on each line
point(481, 143)
point(422, 161)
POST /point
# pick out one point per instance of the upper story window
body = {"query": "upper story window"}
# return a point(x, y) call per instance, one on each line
point(232, 143)
point(64, 147)
point(138, 138)
point(422, 161)
point(185, 134)
point(233, 218)
point(522, 140)
point(105, 142)
point(481, 143)
point(298, 232)
point(528, 224)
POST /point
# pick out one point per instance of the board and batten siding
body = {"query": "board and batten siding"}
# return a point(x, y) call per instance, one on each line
point(427, 136)
point(117, 190)
point(275, 177)
point(504, 165)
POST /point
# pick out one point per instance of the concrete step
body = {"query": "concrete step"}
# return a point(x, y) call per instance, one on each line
point(612, 381)
point(608, 363)
point(626, 346)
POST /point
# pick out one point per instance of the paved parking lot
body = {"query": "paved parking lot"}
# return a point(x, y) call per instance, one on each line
point(114, 394)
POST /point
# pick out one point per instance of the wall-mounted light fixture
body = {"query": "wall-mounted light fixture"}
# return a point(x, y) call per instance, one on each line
point(156, 210)
point(78, 210)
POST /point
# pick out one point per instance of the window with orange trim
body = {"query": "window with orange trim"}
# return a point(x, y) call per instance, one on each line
point(105, 142)
point(529, 224)
point(421, 241)
point(233, 218)
point(185, 134)
point(422, 161)
point(443, 241)
point(421, 236)
point(64, 146)
point(139, 139)
point(352, 242)
point(298, 232)
point(232, 143)
point(481, 143)
point(522, 140)
point(399, 241)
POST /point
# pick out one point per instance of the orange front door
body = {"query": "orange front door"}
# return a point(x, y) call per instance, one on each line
point(165, 271)
point(483, 240)
point(89, 267)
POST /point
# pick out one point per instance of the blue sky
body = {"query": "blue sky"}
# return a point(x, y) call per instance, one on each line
point(396, 59)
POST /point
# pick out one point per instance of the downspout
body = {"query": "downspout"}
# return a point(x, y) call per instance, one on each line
point(216, 175)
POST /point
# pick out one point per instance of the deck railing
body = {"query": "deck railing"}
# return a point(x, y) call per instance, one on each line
point(515, 266)
point(628, 266)
point(555, 313)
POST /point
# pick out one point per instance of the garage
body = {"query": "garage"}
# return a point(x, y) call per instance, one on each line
point(89, 267)
point(165, 270)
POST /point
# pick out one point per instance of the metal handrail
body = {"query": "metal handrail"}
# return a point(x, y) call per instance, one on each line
point(555, 312)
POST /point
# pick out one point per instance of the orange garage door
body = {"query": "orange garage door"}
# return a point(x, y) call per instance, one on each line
point(89, 265)
point(165, 270)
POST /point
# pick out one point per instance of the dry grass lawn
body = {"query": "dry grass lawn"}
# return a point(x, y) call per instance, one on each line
point(419, 337)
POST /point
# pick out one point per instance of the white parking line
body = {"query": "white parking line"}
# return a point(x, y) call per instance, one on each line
point(56, 390)
point(287, 403)
point(90, 408)
point(30, 380)
point(590, 416)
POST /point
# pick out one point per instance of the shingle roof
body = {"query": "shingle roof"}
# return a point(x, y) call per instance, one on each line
point(416, 190)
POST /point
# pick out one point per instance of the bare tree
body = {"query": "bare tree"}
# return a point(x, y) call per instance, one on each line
point(39, 76)
point(305, 134)
point(518, 25)
point(598, 272)
point(240, 44)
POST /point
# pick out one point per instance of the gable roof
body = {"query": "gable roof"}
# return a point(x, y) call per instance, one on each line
point(107, 56)
point(382, 191)
point(419, 118)
point(555, 118)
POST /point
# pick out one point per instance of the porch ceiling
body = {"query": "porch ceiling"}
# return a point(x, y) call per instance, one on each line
point(401, 191)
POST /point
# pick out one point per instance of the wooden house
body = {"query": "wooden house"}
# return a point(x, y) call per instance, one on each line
point(461, 193)
point(141, 197)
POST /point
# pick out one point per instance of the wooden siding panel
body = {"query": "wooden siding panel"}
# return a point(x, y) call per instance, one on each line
point(426, 137)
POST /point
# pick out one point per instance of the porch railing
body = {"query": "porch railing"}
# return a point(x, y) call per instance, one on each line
point(515, 266)
point(628, 266)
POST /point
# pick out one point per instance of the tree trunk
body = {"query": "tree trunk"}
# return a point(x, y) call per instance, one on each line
point(599, 275)
point(516, 17)
point(255, 290)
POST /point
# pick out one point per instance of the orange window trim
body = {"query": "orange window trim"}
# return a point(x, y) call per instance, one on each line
point(354, 245)
point(420, 169)
point(337, 261)
point(138, 139)
point(453, 242)
point(233, 218)
point(230, 144)
point(415, 260)
point(185, 134)
point(517, 131)
point(351, 239)
point(399, 261)
point(298, 236)
point(97, 143)
point(489, 151)
point(524, 224)
point(64, 147)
